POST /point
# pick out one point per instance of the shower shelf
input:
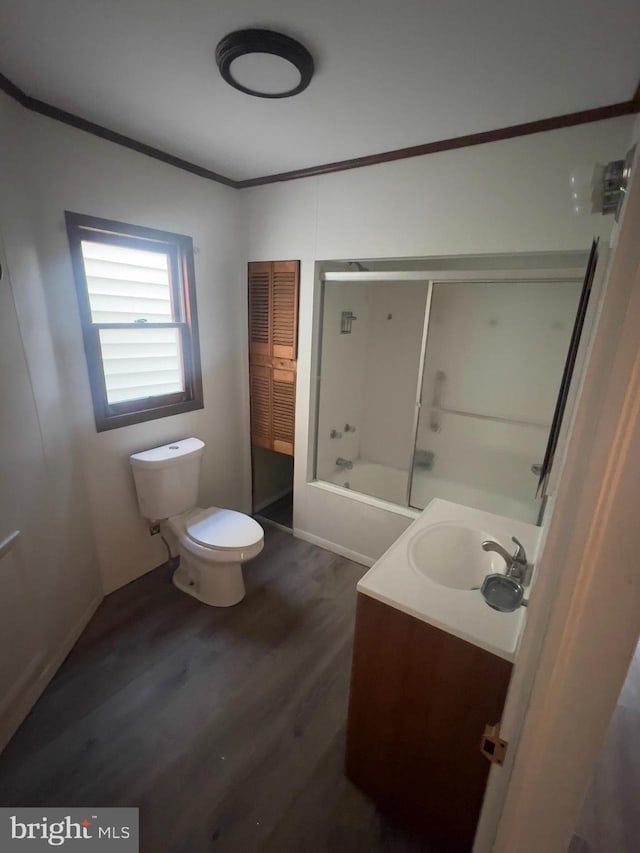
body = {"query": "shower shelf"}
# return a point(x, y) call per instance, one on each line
point(496, 418)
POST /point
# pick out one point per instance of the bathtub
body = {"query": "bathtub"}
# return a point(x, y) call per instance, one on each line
point(390, 484)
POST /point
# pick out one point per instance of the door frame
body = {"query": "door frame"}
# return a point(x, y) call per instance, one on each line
point(584, 616)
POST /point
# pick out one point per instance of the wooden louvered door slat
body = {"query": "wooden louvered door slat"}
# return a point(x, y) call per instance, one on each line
point(273, 333)
point(260, 309)
point(260, 379)
point(284, 309)
point(283, 405)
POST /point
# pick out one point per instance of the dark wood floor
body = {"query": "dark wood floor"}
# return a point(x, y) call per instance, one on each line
point(610, 817)
point(280, 511)
point(225, 727)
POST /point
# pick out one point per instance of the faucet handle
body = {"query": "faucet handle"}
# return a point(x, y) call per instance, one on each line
point(520, 555)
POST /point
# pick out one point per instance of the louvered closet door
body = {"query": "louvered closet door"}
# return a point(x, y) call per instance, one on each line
point(284, 309)
point(260, 308)
point(260, 379)
point(273, 333)
point(283, 405)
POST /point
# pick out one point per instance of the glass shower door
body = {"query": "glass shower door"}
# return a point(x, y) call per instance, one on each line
point(370, 358)
point(492, 367)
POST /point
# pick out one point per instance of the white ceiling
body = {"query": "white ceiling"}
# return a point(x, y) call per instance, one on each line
point(388, 74)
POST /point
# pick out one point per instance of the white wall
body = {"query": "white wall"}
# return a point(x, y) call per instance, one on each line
point(502, 197)
point(49, 583)
point(71, 170)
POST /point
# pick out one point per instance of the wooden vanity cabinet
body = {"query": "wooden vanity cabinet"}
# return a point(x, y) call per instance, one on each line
point(419, 702)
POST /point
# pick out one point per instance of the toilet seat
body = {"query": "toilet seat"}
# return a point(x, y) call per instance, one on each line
point(208, 524)
point(223, 529)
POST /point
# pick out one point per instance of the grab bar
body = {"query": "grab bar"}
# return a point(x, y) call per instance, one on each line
point(496, 418)
point(8, 542)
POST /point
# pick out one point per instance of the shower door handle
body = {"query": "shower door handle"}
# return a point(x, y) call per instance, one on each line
point(438, 385)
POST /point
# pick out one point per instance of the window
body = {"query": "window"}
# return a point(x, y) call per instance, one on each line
point(136, 292)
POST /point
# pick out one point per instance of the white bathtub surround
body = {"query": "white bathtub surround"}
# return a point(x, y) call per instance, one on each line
point(426, 487)
point(390, 485)
point(401, 578)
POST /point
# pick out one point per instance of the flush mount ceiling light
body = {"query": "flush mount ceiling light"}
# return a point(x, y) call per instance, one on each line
point(264, 63)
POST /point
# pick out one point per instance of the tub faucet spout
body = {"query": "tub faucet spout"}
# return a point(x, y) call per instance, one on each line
point(344, 463)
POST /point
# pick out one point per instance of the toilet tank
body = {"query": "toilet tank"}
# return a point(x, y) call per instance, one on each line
point(167, 478)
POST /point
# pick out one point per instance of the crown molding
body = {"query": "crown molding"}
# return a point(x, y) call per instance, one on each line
point(45, 109)
point(511, 132)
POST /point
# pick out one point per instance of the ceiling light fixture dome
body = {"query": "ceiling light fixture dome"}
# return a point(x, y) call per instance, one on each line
point(264, 63)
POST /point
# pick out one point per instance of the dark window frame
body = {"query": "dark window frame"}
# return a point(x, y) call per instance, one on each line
point(179, 249)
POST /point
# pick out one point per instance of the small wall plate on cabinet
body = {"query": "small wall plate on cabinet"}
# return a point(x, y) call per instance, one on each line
point(492, 746)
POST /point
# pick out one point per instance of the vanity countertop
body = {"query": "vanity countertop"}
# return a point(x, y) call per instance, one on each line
point(395, 580)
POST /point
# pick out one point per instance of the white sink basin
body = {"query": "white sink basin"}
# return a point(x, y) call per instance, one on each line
point(451, 555)
point(431, 570)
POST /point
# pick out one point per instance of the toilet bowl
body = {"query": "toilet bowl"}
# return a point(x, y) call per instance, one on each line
point(212, 544)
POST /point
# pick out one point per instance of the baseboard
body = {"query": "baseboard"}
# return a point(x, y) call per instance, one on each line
point(334, 547)
point(272, 499)
point(32, 692)
point(271, 523)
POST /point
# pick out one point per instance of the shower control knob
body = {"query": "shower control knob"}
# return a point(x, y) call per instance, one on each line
point(335, 434)
point(349, 428)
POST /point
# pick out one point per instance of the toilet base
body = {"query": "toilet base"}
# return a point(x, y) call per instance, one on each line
point(219, 585)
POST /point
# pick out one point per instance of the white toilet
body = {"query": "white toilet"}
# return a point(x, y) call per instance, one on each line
point(212, 543)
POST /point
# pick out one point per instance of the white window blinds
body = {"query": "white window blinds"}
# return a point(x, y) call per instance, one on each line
point(127, 285)
point(133, 287)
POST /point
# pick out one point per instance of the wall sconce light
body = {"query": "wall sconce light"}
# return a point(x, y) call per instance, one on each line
point(601, 189)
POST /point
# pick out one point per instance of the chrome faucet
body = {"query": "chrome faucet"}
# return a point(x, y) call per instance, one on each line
point(344, 463)
point(518, 567)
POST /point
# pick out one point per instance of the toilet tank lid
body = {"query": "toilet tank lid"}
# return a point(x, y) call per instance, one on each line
point(168, 454)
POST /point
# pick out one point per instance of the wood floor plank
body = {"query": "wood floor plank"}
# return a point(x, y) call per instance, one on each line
point(225, 726)
point(331, 814)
